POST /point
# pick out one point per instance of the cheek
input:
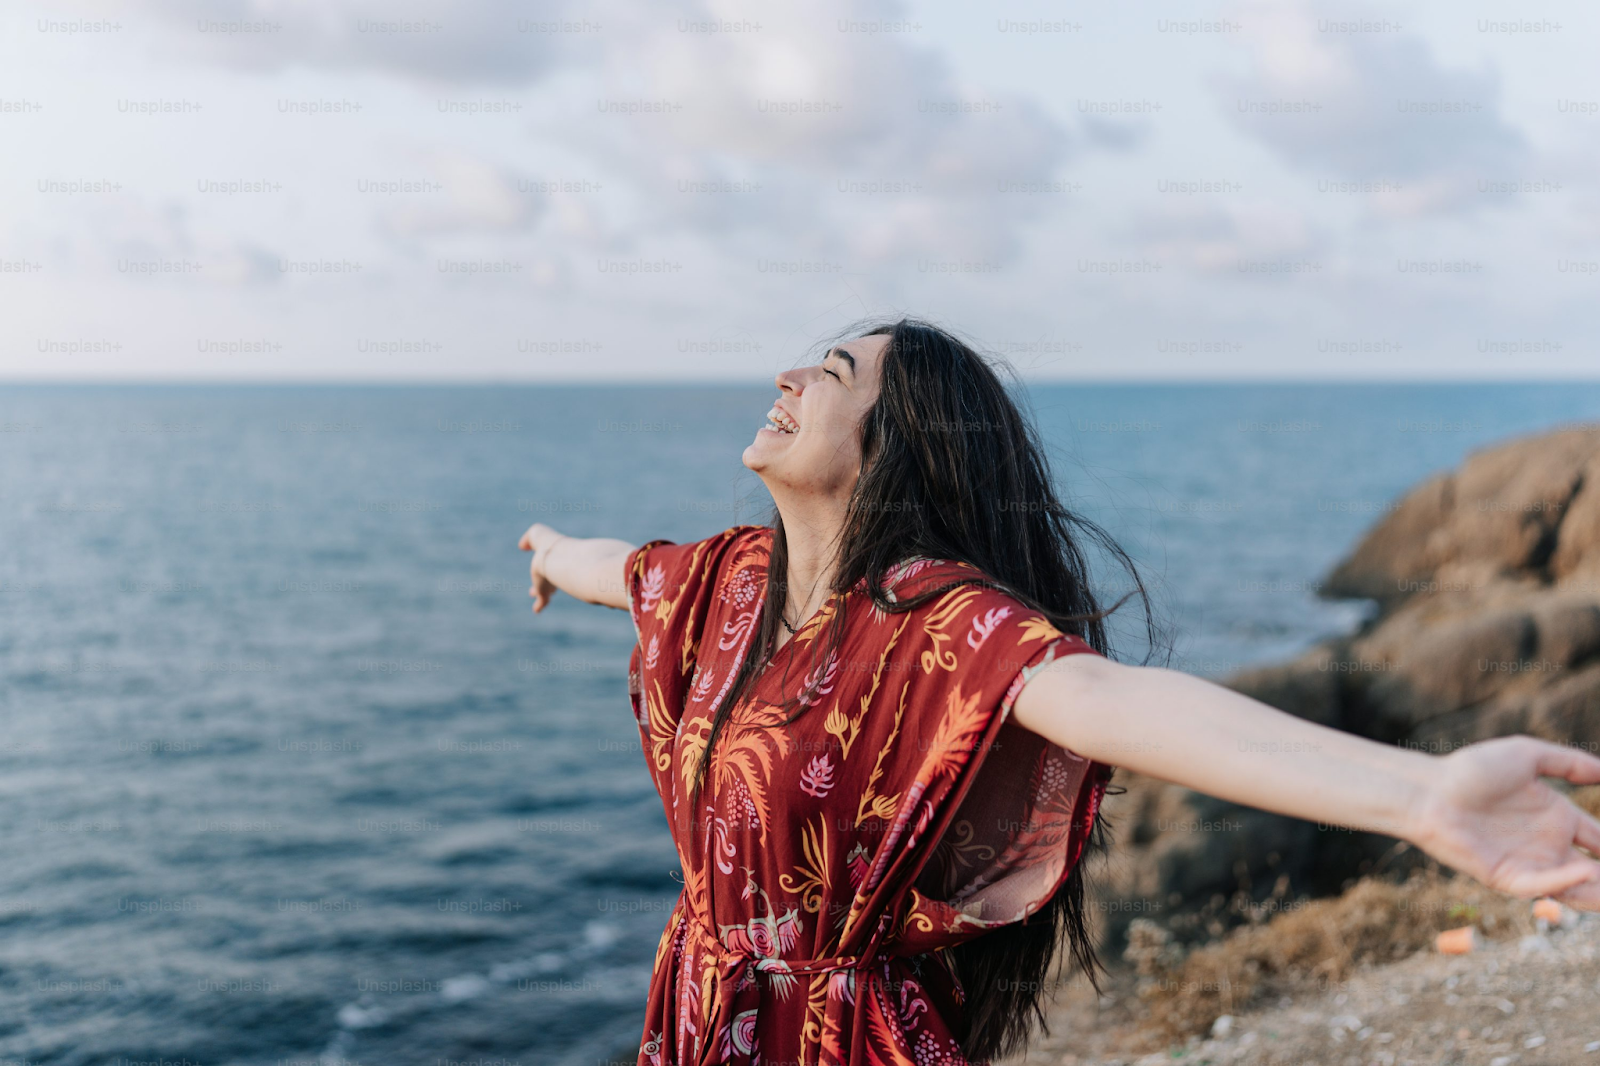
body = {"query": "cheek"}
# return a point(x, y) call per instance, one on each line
point(836, 450)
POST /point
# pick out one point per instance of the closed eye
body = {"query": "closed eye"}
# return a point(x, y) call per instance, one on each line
point(835, 376)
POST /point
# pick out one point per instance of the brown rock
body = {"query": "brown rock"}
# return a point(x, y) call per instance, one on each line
point(1396, 553)
point(1433, 669)
point(1488, 586)
point(1503, 509)
point(1509, 500)
point(1309, 687)
point(1568, 711)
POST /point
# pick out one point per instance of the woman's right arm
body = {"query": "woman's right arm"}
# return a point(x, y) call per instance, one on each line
point(586, 568)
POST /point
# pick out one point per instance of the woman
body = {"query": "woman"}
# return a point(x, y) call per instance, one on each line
point(882, 727)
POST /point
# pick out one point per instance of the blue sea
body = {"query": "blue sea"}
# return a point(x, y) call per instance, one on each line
point(290, 773)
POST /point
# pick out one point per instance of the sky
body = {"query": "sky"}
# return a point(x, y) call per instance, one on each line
point(491, 190)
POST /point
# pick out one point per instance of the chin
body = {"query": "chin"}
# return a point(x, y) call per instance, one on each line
point(757, 453)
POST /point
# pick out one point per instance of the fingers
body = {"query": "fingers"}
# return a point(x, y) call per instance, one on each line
point(1588, 834)
point(1556, 760)
point(526, 543)
point(1553, 882)
point(1583, 897)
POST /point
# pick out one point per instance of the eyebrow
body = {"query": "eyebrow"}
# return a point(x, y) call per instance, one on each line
point(846, 356)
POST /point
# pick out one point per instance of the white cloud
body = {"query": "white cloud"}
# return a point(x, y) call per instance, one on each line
point(1371, 106)
point(493, 42)
point(1219, 239)
point(471, 195)
point(863, 146)
point(788, 140)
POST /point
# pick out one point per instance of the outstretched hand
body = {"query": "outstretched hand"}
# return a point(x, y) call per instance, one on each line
point(1487, 814)
point(538, 540)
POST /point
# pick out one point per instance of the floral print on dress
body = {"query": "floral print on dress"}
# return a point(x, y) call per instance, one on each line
point(650, 588)
point(817, 778)
point(830, 862)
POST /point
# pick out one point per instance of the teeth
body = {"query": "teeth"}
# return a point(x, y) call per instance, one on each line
point(776, 419)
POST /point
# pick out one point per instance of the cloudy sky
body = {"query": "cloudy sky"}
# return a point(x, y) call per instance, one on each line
point(670, 190)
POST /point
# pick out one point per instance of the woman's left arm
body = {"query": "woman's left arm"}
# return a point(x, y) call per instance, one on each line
point(1481, 810)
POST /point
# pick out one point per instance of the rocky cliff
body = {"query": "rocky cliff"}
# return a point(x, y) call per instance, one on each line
point(1487, 583)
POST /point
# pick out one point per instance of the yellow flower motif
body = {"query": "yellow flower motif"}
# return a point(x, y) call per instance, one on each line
point(884, 806)
point(1038, 629)
point(939, 620)
point(838, 725)
point(814, 875)
point(873, 805)
point(662, 728)
point(689, 753)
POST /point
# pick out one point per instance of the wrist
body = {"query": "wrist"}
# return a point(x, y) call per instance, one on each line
point(1416, 806)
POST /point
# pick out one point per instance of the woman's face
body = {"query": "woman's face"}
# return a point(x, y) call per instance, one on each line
point(817, 450)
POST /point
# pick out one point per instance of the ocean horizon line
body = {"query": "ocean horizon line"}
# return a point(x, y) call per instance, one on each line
point(701, 384)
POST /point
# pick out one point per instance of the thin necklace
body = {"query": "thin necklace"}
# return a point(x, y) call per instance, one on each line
point(785, 621)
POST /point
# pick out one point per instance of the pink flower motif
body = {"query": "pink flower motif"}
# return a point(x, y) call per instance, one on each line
point(819, 682)
point(911, 1002)
point(904, 571)
point(841, 985)
point(735, 630)
point(702, 684)
point(766, 936)
point(891, 840)
point(723, 847)
point(741, 589)
point(744, 1032)
point(653, 655)
point(817, 778)
point(858, 862)
point(924, 816)
point(688, 996)
point(652, 1050)
point(651, 588)
point(982, 627)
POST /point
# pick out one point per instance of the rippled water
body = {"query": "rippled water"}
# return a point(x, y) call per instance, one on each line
point(288, 771)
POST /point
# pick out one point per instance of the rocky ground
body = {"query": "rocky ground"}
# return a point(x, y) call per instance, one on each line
point(1523, 1001)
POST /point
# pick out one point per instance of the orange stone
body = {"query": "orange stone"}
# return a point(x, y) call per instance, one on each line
point(1456, 941)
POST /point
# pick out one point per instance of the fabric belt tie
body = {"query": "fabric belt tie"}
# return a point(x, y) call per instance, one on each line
point(729, 965)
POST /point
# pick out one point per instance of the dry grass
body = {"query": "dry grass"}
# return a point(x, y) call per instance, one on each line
point(1314, 944)
point(1309, 946)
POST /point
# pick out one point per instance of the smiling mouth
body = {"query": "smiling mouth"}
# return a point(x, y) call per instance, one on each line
point(778, 422)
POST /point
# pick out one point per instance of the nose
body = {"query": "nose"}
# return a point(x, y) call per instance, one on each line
point(795, 381)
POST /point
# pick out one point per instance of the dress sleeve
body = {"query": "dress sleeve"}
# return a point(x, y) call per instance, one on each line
point(669, 588)
point(1020, 808)
point(671, 593)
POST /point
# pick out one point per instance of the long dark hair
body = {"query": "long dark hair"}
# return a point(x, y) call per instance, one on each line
point(951, 469)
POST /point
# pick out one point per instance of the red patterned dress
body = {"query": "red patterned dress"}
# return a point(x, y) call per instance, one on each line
point(830, 861)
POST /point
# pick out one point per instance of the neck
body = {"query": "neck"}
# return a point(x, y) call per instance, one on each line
point(812, 529)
